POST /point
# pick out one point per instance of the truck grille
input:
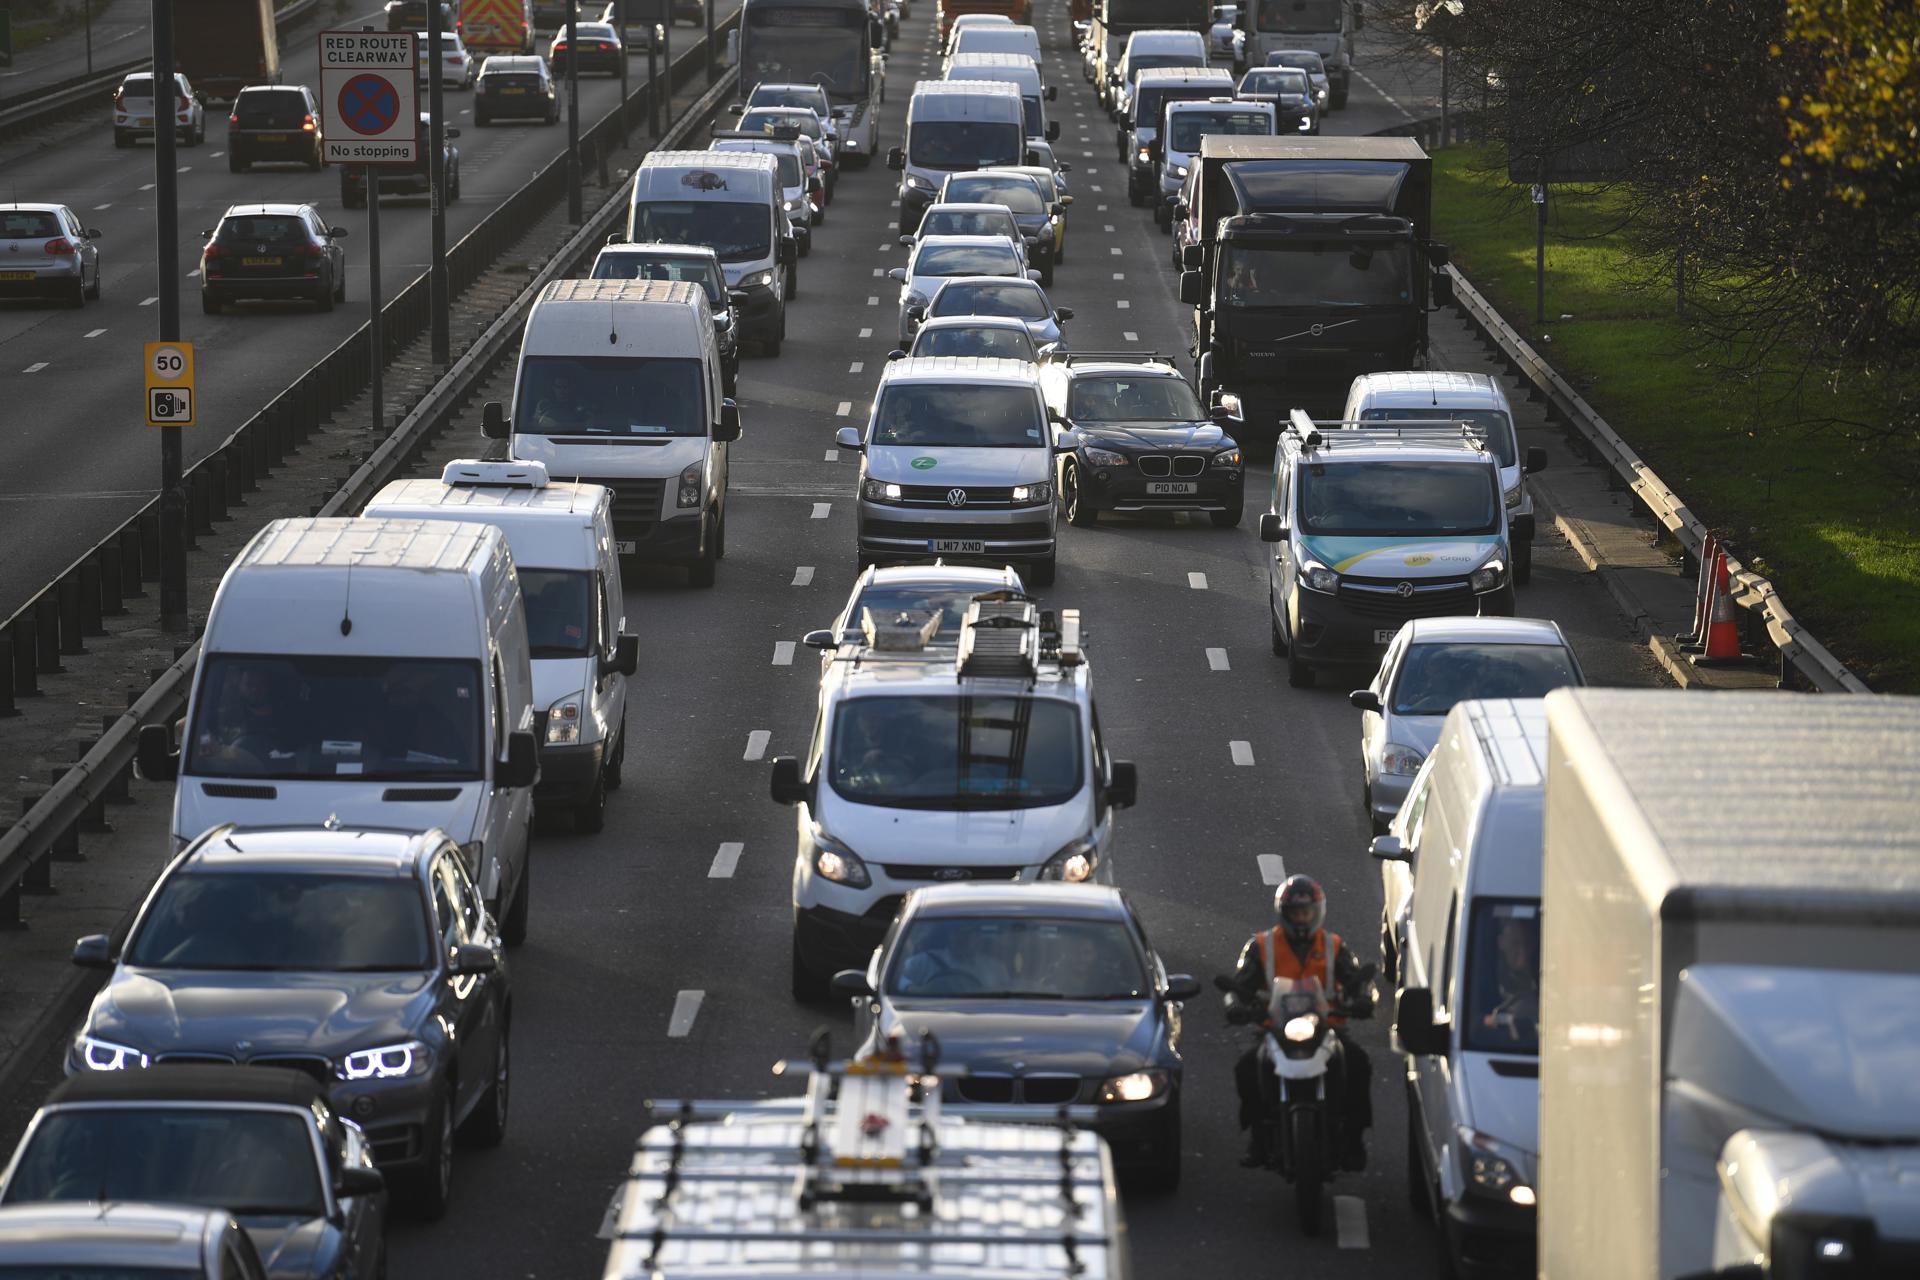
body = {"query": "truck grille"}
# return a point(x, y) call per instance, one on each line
point(1381, 598)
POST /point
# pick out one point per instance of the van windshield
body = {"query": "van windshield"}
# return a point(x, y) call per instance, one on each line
point(1496, 424)
point(560, 612)
point(948, 751)
point(1503, 977)
point(1191, 126)
point(958, 415)
point(1298, 15)
point(964, 144)
point(737, 230)
point(309, 718)
point(1397, 499)
point(609, 396)
point(633, 266)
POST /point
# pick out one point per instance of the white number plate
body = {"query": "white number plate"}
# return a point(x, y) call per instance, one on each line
point(1385, 637)
point(957, 546)
point(1172, 486)
point(626, 547)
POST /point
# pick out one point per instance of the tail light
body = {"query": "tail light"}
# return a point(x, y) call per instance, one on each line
point(60, 247)
point(233, 121)
point(306, 123)
point(313, 251)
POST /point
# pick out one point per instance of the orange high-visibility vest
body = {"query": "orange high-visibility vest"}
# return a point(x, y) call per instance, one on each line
point(1279, 961)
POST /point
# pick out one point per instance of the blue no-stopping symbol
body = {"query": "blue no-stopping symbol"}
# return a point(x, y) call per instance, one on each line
point(369, 104)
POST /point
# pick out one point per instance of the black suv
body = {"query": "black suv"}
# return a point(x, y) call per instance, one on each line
point(515, 87)
point(411, 15)
point(272, 251)
point(274, 122)
point(404, 179)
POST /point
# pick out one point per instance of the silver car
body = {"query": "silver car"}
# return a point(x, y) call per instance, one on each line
point(989, 337)
point(937, 257)
point(1308, 61)
point(45, 252)
point(133, 110)
point(1434, 663)
point(1021, 300)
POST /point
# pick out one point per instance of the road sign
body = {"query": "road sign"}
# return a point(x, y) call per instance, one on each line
point(368, 113)
point(170, 384)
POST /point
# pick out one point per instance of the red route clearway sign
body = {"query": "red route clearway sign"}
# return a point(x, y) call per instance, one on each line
point(368, 108)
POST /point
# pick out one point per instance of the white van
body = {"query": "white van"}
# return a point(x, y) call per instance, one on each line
point(1147, 50)
point(996, 37)
point(954, 126)
point(732, 201)
point(372, 673)
point(619, 384)
point(1023, 74)
point(1463, 869)
point(561, 536)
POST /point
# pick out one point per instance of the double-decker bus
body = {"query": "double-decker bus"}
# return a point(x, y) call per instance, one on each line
point(830, 43)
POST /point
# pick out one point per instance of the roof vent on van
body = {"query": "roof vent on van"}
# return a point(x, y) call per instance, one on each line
point(475, 473)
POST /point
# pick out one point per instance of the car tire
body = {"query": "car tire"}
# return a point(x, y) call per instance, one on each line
point(340, 288)
point(590, 815)
point(121, 140)
point(513, 922)
point(78, 297)
point(772, 345)
point(93, 290)
point(426, 1191)
point(1043, 571)
point(487, 1126)
point(323, 300)
point(720, 534)
point(1080, 512)
point(1046, 275)
point(480, 120)
point(317, 160)
point(1163, 1177)
point(1228, 519)
point(234, 163)
point(1419, 1190)
point(807, 986)
point(209, 304)
point(1523, 563)
point(805, 251)
point(1374, 825)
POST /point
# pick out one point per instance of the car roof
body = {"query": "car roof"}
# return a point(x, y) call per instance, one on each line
point(1183, 75)
point(973, 322)
point(355, 850)
point(784, 85)
point(1339, 447)
point(277, 208)
point(23, 206)
point(988, 369)
point(1011, 281)
point(194, 1082)
point(1412, 388)
point(1485, 631)
point(938, 574)
point(513, 62)
point(1158, 367)
point(1082, 901)
point(662, 248)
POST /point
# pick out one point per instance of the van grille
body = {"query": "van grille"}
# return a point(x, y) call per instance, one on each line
point(635, 502)
point(1381, 598)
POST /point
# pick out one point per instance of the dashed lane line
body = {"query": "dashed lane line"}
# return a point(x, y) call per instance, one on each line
point(844, 408)
point(1115, 250)
point(147, 302)
point(1350, 1221)
point(757, 744)
point(107, 205)
point(1123, 305)
point(147, 187)
point(1198, 581)
point(1242, 753)
point(872, 301)
point(803, 576)
point(1119, 275)
point(1217, 660)
point(783, 653)
point(94, 333)
point(866, 333)
point(686, 1007)
point(35, 367)
point(856, 366)
point(726, 860)
point(1130, 336)
point(1273, 869)
point(821, 510)
point(831, 455)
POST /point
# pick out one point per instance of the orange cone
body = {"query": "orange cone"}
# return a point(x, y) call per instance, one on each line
point(1723, 627)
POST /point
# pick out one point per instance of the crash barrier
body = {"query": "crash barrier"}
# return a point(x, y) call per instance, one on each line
point(57, 620)
point(51, 101)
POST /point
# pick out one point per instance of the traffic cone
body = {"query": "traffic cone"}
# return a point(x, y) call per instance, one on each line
point(1723, 628)
point(1702, 596)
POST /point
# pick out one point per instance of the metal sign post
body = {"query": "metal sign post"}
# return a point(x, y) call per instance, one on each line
point(166, 182)
point(438, 303)
point(1540, 252)
point(620, 32)
point(575, 206)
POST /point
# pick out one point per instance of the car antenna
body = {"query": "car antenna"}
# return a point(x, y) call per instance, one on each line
point(613, 327)
point(346, 605)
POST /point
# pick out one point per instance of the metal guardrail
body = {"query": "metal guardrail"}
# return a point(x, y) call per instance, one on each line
point(57, 619)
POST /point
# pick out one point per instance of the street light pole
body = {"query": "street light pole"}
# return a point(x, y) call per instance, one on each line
point(438, 301)
point(620, 37)
point(576, 213)
point(166, 192)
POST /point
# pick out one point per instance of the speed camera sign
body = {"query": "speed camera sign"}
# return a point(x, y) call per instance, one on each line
point(170, 387)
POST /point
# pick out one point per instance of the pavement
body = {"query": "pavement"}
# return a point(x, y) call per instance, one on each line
point(682, 901)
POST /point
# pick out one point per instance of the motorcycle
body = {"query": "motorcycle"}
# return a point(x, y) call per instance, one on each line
point(1304, 1131)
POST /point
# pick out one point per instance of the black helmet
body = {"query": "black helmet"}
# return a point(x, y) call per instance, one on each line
point(1299, 908)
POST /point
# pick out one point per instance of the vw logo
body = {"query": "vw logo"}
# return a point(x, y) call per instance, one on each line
point(1316, 330)
point(956, 497)
point(259, 248)
point(1404, 590)
point(952, 873)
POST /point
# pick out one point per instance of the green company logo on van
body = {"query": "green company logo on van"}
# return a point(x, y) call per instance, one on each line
point(924, 464)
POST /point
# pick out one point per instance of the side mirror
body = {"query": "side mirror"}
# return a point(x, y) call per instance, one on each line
point(336, 232)
point(896, 354)
point(1053, 127)
point(493, 421)
point(896, 158)
point(1388, 849)
point(1180, 211)
point(729, 428)
point(733, 46)
point(1123, 787)
point(737, 297)
point(736, 108)
point(1442, 289)
point(916, 313)
point(626, 655)
point(452, 132)
point(158, 761)
point(851, 983)
point(1193, 256)
point(93, 233)
point(815, 186)
point(95, 951)
point(615, 237)
point(821, 639)
point(1272, 527)
point(472, 958)
point(786, 785)
point(1439, 255)
point(789, 252)
point(1063, 314)
point(358, 1180)
point(1536, 460)
point(1365, 700)
point(1066, 441)
point(1419, 1034)
point(521, 768)
point(1032, 274)
point(1181, 986)
point(1053, 92)
point(906, 241)
point(899, 274)
point(205, 233)
point(848, 438)
point(1056, 208)
point(1226, 408)
point(1193, 288)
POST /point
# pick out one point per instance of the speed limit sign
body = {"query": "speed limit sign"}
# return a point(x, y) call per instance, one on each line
point(170, 389)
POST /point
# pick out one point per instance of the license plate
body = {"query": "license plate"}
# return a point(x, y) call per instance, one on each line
point(270, 137)
point(512, 92)
point(957, 546)
point(260, 262)
point(143, 122)
point(1173, 486)
point(16, 275)
point(626, 547)
point(1384, 637)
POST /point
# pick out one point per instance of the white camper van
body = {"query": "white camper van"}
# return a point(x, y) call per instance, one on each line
point(561, 536)
point(372, 673)
point(619, 384)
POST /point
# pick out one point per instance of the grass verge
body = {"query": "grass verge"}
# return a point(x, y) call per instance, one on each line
point(1800, 503)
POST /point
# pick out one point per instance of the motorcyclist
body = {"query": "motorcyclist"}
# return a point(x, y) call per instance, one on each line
point(1298, 947)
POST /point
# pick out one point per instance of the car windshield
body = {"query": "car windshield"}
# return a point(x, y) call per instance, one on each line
point(991, 342)
point(1503, 977)
point(958, 415)
point(772, 121)
point(966, 260)
point(1435, 676)
point(1191, 126)
point(888, 599)
point(789, 96)
point(1392, 499)
point(1015, 958)
point(311, 718)
point(964, 144)
point(1123, 399)
point(28, 224)
point(968, 222)
point(704, 272)
point(262, 227)
point(956, 751)
point(1317, 274)
point(1022, 195)
point(609, 396)
point(1015, 300)
point(280, 920)
point(560, 612)
point(1276, 80)
point(1496, 424)
point(1298, 15)
point(246, 1162)
point(737, 230)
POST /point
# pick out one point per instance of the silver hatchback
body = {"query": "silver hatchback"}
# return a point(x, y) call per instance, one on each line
point(45, 252)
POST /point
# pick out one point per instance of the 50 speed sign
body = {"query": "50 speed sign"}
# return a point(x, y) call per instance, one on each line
point(170, 390)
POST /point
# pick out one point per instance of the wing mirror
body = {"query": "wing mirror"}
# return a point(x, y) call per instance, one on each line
point(470, 959)
point(616, 237)
point(848, 438)
point(521, 768)
point(93, 233)
point(1272, 528)
point(1053, 129)
point(1066, 441)
point(1415, 1026)
point(626, 655)
point(1123, 786)
point(493, 420)
point(1032, 274)
point(1063, 314)
point(786, 785)
point(1193, 256)
point(1442, 289)
point(1226, 408)
point(1181, 986)
point(452, 132)
point(1536, 459)
point(899, 274)
point(1193, 288)
point(820, 639)
point(1053, 93)
point(852, 983)
point(1439, 255)
point(158, 761)
point(906, 241)
point(95, 951)
point(896, 158)
point(358, 1180)
point(336, 232)
point(1388, 849)
point(1365, 700)
point(729, 428)
point(896, 354)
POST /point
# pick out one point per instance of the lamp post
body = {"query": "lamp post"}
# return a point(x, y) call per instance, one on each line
point(575, 205)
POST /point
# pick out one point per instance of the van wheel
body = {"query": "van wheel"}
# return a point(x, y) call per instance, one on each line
point(1228, 519)
point(1299, 674)
point(1419, 1191)
point(235, 164)
point(590, 815)
point(720, 534)
point(1042, 572)
point(513, 925)
point(614, 764)
point(807, 986)
point(1523, 562)
point(701, 572)
point(487, 1126)
point(1273, 624)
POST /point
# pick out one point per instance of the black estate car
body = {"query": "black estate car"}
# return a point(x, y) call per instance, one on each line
point(283, 251)
point(274, 122)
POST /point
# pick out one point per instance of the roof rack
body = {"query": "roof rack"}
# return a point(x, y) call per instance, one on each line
point(1071, 357)
point(1007, 635)
point(1357, 431)
point(779, 133)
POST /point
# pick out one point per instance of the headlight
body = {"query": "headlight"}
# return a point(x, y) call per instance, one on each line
point(762, 279)
point(919, 183)
point(1301, 1029)
point(879, 491)
point(1144, 155)
point(1493, 1168)
point(1513, 495)
point(1399, 760)
point(104, 1055)
point(563, 720)
point(1105, 458)
point(1319, 95)
point(1073, 863)
point(1138, 1086)
point(1179, 171)
point(794, 206)
point(388, 1062)
point(1488, 576)
point(1231, 458)
point(1042, 492)
point(834, 861)
point(692, 484)
point(1315, 576)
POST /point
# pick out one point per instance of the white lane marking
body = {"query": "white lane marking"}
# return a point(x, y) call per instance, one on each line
point(686, 1007)
point(1108, 227)
point(726, 860)
point(1242, 753)
point(832, 455)
point(1099, 208)
point(757, 744)
point(1350, 1219)
point(1088, 154)
point(844, 408)
point(107, 205)
point(94, 333)
point(147, 302)
point(885, 245)
point(1115, 251)
point(1100, 189)
point(821, 510)
point(856, 366)
point(866, 333)
point(191, 274)
point(879, 271)
point(783, 653)
point(35, 368)
point(1217, 660)
point(1198, 581)
point(147, 187)
point(1130, 336)
point(1273, 869)
point(185, 168)
point(610, 1220)
point(803, 575)
point(1123, 305)
point(1119, 275)
point(215, 155)
point(872, 301)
